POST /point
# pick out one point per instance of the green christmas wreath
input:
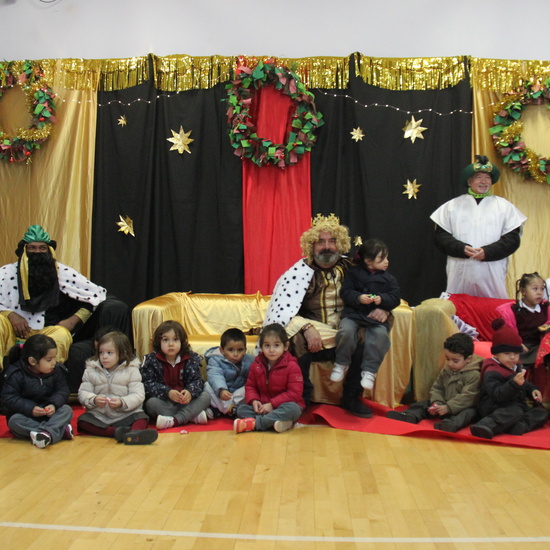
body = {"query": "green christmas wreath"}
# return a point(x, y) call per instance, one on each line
point(242, 134)
point(40, 100)
point(507, 128)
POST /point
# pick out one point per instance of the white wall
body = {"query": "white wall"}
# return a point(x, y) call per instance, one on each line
point(502, 29)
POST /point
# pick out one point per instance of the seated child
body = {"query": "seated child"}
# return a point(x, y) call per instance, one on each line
point(227, 371)
point(113, 394)
point(455, 393)
point(174, 388)
point(366, 288)
point(273, 391)
point(35, 393)
point(504, 390)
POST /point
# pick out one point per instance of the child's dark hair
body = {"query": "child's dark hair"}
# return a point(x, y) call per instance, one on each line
point(460, 343)
point(524, 281)
point(122, 345)
point(232, 334)
point(370, 249)
point(274, 329)
point(36, 346)
point(179, 331)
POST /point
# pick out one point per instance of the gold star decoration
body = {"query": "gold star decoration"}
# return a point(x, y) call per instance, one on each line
point(126, 225)
point(122, 121)
point(357, 134)
point(180, 141)
point(411, 189)
point(413, 129)
point(358, 241)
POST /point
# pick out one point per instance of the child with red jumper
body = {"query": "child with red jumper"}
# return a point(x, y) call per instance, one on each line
point(273, 391)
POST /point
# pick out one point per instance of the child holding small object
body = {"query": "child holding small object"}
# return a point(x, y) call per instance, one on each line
point(113, 394)
point(504, 390)
point(273, 391)
point(455, 393)
point(174, 389)
point(366, 289)
point(35, 393)
point(227, 371)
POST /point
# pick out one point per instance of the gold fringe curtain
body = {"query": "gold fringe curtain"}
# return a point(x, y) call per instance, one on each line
point(491, 79)
point(183, 72)
point(422, 73)
point(505, 75)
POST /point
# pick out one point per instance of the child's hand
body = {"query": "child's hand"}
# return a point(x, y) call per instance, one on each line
point(377, 300)
point(438, 410)
point(186, 397)
point(266, 408)
point(519, 378)
point(38, 411)
point(49, 410)
point(182, 397)
point(101, 400)
point(115, 402)
point(366, 299)
point(225, 395)
point(256, 405)
point(537, 396)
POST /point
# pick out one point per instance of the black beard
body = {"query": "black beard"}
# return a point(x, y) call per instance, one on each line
point(42, 273)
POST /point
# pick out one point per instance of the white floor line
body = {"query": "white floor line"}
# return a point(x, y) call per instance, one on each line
point(238, 536)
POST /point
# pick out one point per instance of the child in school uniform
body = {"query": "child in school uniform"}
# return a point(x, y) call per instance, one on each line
point(505, 392)
point(455, 393)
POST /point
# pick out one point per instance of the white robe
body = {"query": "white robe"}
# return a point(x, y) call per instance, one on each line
point(477, 225)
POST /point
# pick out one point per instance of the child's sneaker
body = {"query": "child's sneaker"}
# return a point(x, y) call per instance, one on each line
point(201, 418)
point(283, 425)
point(68, 433)
point(120, 432)
point(403, 416)
point(164, 422)
point(140, 437)
point(244, 425)
point(40, 439)
point(367, 379)
point(338, 372)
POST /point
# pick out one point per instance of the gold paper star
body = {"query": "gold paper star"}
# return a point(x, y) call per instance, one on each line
point(122, 120)
point(180, 141)
point(358, 241)
point(411, 189)
point(413, 129)
point(357, 134)
point(126, 225)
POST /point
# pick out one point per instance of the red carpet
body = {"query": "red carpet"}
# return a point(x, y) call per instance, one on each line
point(378, 424)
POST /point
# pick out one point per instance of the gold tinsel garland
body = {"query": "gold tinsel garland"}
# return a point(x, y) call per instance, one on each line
point(503, 75)
point(421, 73)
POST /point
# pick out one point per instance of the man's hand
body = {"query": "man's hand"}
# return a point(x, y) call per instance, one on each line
point(19, 324)
point(313, 338)
point(474, 253)
point(380, 315)
point(70, 323)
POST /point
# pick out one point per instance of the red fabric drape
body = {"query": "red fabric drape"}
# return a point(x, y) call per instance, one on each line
point(276, 202)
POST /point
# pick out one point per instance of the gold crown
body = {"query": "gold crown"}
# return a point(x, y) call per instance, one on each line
point(331, 219)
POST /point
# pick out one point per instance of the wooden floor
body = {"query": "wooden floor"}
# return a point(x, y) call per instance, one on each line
point(310, 488)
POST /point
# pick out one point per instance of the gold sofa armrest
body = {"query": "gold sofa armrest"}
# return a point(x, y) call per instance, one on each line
point(433, 325)
point(148, 315)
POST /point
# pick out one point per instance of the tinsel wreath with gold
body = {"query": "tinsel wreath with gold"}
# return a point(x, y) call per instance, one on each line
point(40, 101)
point(507, 128)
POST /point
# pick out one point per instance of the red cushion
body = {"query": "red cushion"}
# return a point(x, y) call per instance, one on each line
point(478, 312)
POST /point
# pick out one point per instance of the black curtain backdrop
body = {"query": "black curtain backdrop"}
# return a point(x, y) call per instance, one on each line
point(186, 208)
point(362, 182)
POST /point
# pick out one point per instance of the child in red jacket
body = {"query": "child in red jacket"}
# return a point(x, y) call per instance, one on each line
point(273, 391)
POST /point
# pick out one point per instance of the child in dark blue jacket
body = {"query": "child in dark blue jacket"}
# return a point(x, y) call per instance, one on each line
point(35, 393)
point(367, 289)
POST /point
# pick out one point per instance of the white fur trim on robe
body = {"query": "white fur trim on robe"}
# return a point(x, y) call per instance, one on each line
point(71, 283)
point(477, 225)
